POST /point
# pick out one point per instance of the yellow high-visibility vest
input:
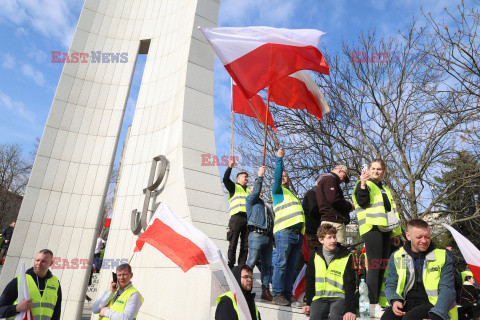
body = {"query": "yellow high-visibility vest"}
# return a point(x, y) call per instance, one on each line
point(230, 295)
point(329, 281)
point(121, 302)
point(375, 214)
point(431, 276)
point(238, 202)
point(42, 305)
point(289, 212)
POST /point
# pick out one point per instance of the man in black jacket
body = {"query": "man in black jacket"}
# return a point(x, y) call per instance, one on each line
point(237, 226)
point(330, 279)
point(7, 236)
point(40, 281)
point(332, 206)
point(312, 217)
point(225, 303)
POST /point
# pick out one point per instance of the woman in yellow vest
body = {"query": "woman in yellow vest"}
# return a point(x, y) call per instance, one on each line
point(373, 203)
point(330, 279)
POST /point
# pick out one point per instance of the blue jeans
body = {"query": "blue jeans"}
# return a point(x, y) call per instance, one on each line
point(260, 246)
point(289, 249)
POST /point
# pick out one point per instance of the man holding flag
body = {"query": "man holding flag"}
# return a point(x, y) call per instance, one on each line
point(237, 226)
point(227, 308)
point(44, 287)
point(288, 230)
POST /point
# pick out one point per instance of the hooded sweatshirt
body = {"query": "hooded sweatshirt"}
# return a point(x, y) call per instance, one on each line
point(10, 294)
point(225, 310)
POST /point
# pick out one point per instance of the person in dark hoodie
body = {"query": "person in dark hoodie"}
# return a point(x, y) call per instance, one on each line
point(226, 304)
point(420, 282)
point(330, 279)
point(45, 291)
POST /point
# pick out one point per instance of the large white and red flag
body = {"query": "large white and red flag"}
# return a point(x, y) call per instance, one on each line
point(469, 252)
point(187, 247)
point(23, 293)
point(241, 105)
point(299, 91)
point(255, 57)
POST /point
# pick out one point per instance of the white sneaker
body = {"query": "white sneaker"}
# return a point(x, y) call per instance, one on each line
point(376, 312)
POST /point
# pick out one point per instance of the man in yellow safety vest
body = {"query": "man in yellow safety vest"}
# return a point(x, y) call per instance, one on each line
point(288, 231)
point(420, 281)
point(121, 298)
point(45, 293)
point(237, 226)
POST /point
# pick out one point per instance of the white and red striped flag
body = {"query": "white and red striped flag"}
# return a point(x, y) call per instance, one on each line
point(300, 283)
point(299, 91)
point(23, 293)
point(108, 222)
point(187, 247)
point(469, 252)
point(255, 57)
point(240, 105)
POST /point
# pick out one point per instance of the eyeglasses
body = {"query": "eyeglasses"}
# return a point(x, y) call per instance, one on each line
point(248, 277)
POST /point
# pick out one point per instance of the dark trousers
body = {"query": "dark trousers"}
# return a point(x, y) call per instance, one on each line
point(414, 311)
point(323, 309)
point(3, 253)
point(377, 246)
point(237, 229)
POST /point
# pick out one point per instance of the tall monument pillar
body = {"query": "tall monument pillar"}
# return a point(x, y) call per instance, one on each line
point(173, 117)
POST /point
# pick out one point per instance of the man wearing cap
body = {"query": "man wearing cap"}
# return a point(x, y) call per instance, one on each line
point(332, 206)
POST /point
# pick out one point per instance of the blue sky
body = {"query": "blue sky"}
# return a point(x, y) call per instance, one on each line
point(31, 29)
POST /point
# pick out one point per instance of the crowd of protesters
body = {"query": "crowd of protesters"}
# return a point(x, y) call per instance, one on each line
point(407, 278)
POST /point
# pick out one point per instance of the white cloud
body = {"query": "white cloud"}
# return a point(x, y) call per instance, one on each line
point(8, 61)
point(52, 18)
point(15, 107)
point(35, 75)
point(39, 56)
point(20, 32)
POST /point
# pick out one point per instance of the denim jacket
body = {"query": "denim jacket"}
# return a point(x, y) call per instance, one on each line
point(256, 207)
point(446, 288)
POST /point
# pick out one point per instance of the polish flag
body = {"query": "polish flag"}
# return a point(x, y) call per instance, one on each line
point(187, 247)
point(299, 91)
point(300, 282)
point(240, 105)
point(108, 222)
point(469, 252)
point(255, 57)
point(23, 293)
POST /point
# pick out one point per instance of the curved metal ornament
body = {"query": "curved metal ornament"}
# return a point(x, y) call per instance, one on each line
point(138, 221)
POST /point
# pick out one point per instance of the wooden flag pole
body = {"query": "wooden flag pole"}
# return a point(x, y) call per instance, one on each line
point(232, 133)
point(266, 126)
point(259, 119)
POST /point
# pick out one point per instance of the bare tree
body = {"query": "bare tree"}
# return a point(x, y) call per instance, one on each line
point(386, 102)
point(455, 45)
point(14, 172)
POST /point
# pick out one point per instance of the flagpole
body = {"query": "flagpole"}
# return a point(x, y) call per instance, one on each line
point(266, 125)
point(232, 133)
point(259, 119)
